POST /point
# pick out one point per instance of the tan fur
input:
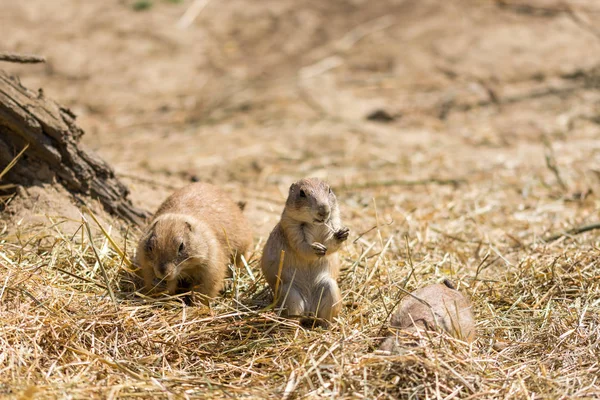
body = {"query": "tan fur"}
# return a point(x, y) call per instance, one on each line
point(211, 228)
point(310, 232)
point(450, 311)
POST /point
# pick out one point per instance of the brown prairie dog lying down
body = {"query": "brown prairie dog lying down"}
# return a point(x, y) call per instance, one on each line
point(447, 309)
point(191, 239)
point(310, 232)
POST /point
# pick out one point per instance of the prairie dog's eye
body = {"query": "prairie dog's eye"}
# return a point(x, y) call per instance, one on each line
point(330, 191)
point(302, 193)
point(181, 248)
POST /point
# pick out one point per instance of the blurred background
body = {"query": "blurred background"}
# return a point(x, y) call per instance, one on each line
point(415, 98)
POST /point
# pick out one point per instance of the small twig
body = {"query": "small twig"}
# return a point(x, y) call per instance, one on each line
point(21, 58)
point(149, 181)
point(287, 293)
point(379, 258)
point(342, 46)
point(407, 293)
point(32, 297)
point(552, 164)
point(334, 58)
point(459, 376)
point(402, 182)
point(13, 162)
point(524, 8)
point(363, 30)
point(314, 322)
point(191, 13)
point(114, 245)
point(81, 277)
point(320, 67)
point(278, 281)
point(581, 22)
point(480, 267)
point(290, 386)
point(410, 262)
point(453, 237)
point(360, 235)
point(104, 274)
point(574, 231)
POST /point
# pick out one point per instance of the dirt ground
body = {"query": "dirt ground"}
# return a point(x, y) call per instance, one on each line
point(470, 127)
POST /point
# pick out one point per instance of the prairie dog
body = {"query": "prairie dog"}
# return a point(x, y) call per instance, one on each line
point(310, 232)
point(450, 311)
point(191, 239)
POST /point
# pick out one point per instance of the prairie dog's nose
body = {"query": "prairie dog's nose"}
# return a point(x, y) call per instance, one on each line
point(161, 270)
point(323, 211)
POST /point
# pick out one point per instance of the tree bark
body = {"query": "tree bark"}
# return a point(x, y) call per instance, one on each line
point(54, 153)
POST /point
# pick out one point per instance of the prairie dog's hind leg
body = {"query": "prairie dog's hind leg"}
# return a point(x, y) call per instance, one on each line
point(326, 301)
point(292, 301)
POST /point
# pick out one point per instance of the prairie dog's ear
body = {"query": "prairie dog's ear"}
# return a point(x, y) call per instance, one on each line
point(150, 241)
point(150, 237)
point(448, 283)
point(150, 230)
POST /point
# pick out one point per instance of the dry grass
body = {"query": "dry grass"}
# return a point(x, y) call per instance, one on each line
point(63, 335)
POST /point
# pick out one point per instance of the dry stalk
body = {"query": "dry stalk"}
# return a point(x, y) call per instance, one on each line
point(21, 58)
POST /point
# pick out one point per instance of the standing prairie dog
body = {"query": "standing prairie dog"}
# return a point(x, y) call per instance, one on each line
point(310, 233)
point(193, 236)
point(446, 309)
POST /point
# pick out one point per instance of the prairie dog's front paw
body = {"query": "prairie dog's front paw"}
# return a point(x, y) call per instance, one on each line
point(342, 234)
point(319, 249)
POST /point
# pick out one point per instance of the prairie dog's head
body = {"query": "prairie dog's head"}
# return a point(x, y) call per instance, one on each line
point(170, 244)
point(311, 200)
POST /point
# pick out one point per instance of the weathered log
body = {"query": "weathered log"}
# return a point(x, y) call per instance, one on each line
point(54, 154)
